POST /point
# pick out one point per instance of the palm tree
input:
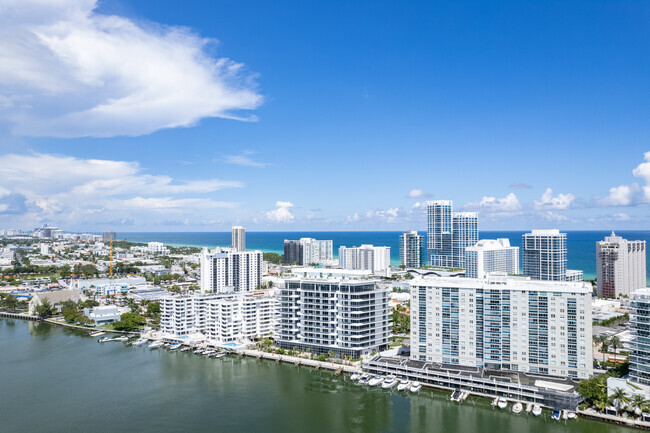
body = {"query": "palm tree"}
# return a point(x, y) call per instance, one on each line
point(619, 399)
point(601, 404)
point(638, 402)
point(615, 342)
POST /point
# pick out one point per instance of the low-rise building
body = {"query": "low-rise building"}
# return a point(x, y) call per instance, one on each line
point(107, 286)
point(55, 298)
point(103, 315)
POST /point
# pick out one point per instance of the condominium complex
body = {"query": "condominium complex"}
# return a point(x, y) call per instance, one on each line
point(346, 317)
point(449, 234)
point(504, 323)
point(620, 266)
point(238, 238)
point(221, 318)
point(368, 257)
point(490, 255)
point(225, 270)
point(411, 247)
point(640, 326)
point(544, 255)
point(307, 251)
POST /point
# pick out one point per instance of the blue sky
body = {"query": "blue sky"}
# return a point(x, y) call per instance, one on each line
point(173, 116)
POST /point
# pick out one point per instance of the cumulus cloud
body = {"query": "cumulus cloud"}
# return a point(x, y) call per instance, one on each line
point(68, 71)
point(353, 218)
point(282, 212)
point(548, 201)
point(388, 215)
point(552, 216)
point(632, 194)
point(418, 193)
point(69, 189)
point(243, 159)
point(507, 204)
point(621, 217)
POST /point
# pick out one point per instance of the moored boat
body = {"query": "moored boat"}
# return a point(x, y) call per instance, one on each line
point(121, 338)
point(96, 333)
point(139, 342)
point(363, 380)
point(537, 410)
point(175, 346)
point(556, 414)
point(375, 380)
point(502, 403)
point(403, 385)
point(104, 340)
point(355, 376)
point(389, 382)
point(517, 407)
point(156, 345)
point(571, 415)
point(415, 387)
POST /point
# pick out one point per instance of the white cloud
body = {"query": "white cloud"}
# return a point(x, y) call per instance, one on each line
point(560, 201)
point(418, 193)
point(67, 71)
point(622, 217)
point(243, 159)
point(552, 216)
point(632, 194)
point(507, 204)
point(388, 215)
point(282, 213)
point(353, 218)
point(66, 189)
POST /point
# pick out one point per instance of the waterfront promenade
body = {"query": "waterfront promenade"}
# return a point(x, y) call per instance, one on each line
point(298, 360)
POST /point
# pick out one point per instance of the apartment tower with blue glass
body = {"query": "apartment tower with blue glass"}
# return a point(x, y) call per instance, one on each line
point(449, 234)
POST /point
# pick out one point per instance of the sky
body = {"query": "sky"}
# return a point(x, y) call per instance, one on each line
point(290, 115)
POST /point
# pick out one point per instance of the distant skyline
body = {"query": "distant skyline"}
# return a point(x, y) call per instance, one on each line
point(298, 116)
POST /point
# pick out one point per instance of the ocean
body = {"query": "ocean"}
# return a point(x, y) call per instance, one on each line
point(581, 245)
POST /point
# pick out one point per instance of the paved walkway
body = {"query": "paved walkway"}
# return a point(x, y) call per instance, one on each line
point(593, 414)
point(298, 360)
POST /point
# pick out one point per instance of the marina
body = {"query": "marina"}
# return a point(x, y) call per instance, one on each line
point(170, 391)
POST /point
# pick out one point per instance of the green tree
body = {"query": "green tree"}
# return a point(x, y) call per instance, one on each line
point(129, 322)
point(619, 399)
point(615, 342)
point(45, 310)
point(639, 404)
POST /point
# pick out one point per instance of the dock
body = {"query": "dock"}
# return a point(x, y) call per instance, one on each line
point(299, 361)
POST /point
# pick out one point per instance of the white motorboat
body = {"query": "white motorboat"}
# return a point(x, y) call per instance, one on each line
point(355, 376)
point(375, 380)
point(571, 415)
point(104, 340)
point(121, 338)
point(187, 349)
point(517, 407)
point(96, 333)
point(219, 355)
point(363, 380)
point(156, 345)
point(403, 385)
point(389, 382)
point(415, 387)
point(537, 410)
point(175, 346)
point(502, 403)
point(139, 342)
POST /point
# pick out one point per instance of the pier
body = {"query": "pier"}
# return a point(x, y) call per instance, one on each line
point(20, 316)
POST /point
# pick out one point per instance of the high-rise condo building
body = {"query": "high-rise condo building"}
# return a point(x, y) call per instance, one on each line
point(640, 326)
point(238, 238)
point(347, 317)
point(307, 251)
point(411, 247)
point(544, 255)
point(449, 234)
point(225, 270)
point(503, 323)
point(490, 255)
point(368, 257)
point(620, 266)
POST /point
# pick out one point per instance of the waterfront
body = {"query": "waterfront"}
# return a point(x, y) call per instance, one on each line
point(62, 381)
point(581, 245)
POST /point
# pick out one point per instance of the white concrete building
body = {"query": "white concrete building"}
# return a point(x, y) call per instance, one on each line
point(349, 318)
point(411, 249)
point(375, 259)
point(107, 286)
point(490, 255)
point(220, 318)
point(503, 323)
point(105, 314)
point(225, 270)
point(157, 248)
point(306, 272)
point(307, 251)
point(620, 266)
point(238, 238)
point(45, 249)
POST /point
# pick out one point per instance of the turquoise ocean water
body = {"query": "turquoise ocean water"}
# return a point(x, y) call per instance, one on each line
point(581, 245)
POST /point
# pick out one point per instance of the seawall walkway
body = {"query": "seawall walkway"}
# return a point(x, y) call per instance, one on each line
point(299, 361)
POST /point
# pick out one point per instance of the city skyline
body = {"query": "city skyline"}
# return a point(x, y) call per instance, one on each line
point(545, 133)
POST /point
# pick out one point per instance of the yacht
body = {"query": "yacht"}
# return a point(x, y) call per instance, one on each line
point(355, 376)
point(571, 414)
point(537, 410)
point(415, 387)
point(139, 341)
point(175, 346)
point(518, 407)
point(375, 380)
point(363, 380)
point(96, 333)
point(403, 385)
point(556, 414)
point(156, 345)
point(389, 382)
point(219, 355)
point(104, 340)
point(187, 349)
point(502, 403)
point(121, 338)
